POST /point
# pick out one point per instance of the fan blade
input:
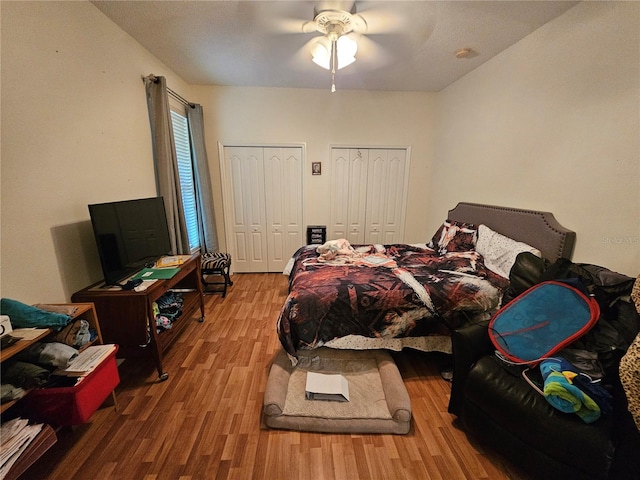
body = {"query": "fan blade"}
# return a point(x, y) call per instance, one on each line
point(359, 24)
point(371, 54)
point(380, 19)
point(289, 25)
point(303, 56)
point(309, 27)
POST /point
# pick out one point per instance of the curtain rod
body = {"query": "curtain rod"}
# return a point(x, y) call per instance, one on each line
point(186, 103)
point(175, 95)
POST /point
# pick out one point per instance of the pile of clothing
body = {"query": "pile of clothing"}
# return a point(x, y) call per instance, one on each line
point(32, 368)
point(570, 390)
point(576, 386)
point(166, 309)
point(35, 366)
point(580, 378)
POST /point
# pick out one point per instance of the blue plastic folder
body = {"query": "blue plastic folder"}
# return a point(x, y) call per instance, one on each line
point(156, 273)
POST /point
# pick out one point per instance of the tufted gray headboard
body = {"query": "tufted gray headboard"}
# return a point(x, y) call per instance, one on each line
point(538, 229)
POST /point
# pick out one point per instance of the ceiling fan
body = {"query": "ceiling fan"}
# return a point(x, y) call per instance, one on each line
point(336, 25)
point(342, 32)
point(335, 49)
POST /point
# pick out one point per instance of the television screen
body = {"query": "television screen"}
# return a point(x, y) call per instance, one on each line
point(129, 234)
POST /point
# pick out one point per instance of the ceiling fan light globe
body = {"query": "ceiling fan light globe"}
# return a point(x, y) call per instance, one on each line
point(346, 49)
point(345, 61)
point(322, 62)
point(321, 55)
point(348, 45)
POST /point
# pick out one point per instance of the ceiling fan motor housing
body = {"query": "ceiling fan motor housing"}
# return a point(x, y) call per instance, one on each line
point(335, 23)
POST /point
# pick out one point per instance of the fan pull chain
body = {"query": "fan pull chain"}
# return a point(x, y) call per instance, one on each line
point(334, 61)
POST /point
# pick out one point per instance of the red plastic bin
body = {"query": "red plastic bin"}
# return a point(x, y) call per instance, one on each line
point(74, 405)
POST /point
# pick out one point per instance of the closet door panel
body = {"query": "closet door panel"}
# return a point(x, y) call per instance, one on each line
point(247, 178)
point(368, 194)
point(240, 224)
point(395, 196)
point(357, 202)
point(274, 184)
point(283, 195)
point(292, 203)
point(385, 196)
point(241, 255)
point(258, 253)
point(339, 195)
point(376, 188)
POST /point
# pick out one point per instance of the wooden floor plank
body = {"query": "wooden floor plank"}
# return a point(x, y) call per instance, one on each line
point(204, 422)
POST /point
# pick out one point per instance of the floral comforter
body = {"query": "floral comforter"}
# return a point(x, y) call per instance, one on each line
point(383, 291)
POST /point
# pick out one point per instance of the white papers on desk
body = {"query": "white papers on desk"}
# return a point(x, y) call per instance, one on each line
point(144, 285)
point(326, 386)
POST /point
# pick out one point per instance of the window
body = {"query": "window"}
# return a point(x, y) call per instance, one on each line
point(185, 171)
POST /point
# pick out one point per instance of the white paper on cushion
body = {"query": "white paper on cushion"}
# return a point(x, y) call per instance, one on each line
point(500, 252)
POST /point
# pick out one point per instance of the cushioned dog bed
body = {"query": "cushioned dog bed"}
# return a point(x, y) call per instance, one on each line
point(378, 400)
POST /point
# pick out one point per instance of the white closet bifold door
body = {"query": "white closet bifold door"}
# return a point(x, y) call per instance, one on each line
point(264, 224)
point(385, 196)
point(283, 195)
point(368, 194)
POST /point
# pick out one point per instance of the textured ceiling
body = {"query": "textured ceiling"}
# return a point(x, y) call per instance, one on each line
point(408, 46)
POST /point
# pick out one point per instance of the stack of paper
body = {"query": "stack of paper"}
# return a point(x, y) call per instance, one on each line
point(326, 386)
point(172, 260)
point(15, 437)
point(86, 361)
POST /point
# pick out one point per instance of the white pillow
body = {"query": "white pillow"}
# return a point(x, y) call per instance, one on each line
point(500, 252)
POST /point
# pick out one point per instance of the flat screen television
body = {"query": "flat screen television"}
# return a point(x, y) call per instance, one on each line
point(129, 234)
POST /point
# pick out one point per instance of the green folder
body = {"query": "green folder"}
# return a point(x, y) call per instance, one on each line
point(155, 273)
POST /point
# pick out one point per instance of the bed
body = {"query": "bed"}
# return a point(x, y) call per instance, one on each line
point(397, 296)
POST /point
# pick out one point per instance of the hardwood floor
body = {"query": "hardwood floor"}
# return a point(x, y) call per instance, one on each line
point(204, 421)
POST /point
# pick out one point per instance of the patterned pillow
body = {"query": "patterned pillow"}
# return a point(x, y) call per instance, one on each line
point(500, 252)
point(454, 236)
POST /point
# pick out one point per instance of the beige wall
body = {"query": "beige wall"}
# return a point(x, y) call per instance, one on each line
point(554, 120)
point(553, 123)
point(320, 119)
point(75, 131)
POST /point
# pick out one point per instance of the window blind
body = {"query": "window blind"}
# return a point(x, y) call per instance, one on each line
point(185, 171)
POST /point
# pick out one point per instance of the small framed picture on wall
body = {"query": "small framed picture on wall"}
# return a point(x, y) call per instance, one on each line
point(316, 168)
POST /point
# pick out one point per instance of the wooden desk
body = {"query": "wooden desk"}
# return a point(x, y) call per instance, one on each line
point(127, 318)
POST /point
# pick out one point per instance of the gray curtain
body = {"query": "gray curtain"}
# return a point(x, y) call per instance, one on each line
point(164, 156)
point(202, 180)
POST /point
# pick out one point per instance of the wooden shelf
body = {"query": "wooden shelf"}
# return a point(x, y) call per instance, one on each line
point(128, 319)
point(14, 349)
point(20, 345)
point(47, 436)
